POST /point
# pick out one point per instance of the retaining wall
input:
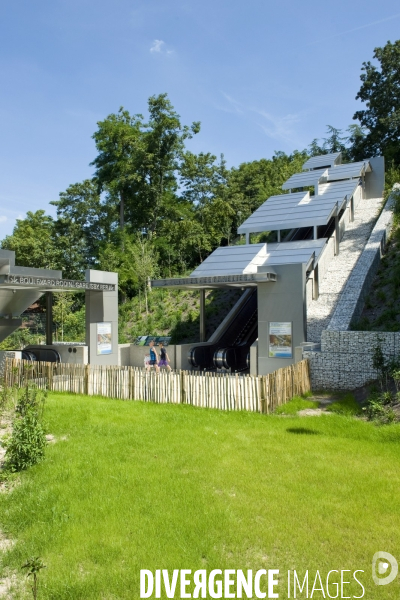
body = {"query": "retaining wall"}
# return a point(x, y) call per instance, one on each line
point(346, 357)
point(8, 354)
point(352, 299)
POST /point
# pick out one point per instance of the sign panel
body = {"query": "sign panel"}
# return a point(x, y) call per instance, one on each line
point(215, 279)
point(57, 284)
point(280, 339)
point(104, 344)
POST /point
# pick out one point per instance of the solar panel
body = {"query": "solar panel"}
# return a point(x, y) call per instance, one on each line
point(289, 211)
point(348, 171)
point(235, 260)
point(305, 179)
point(324, 160)
point(232, 260)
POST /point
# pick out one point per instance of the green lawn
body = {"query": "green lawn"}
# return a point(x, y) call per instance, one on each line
point(144, 486)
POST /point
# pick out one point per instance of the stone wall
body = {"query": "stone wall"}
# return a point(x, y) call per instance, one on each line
point(7, 354)
point(345, 359)
point(351, 302)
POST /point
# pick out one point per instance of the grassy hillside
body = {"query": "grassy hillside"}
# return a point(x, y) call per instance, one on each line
point(175, 313)
point(382, 307)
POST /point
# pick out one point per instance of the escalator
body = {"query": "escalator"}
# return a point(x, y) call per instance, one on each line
point(231, 348)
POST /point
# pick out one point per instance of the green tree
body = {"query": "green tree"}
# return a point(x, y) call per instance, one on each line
point(315, 149)
point(144, 264)
point(202, 178)
point(69, 317)
point(120, 145)
point(335, 142)
point(250, 184)
point(380, 90)
point(165, 138)
point(33, 240)
point(81, 225)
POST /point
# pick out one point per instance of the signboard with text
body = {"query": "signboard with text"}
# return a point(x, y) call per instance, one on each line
point(280, 339)
point(104, 343)
point(53, 283)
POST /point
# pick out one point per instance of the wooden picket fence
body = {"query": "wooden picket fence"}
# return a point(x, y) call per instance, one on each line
point(208, 390)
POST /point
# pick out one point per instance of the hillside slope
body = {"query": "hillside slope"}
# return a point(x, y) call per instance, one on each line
point(175, 313)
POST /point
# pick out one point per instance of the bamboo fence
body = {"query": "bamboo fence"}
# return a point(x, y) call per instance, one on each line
point(207, 390)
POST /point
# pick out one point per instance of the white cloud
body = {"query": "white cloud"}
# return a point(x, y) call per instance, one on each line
point(277, 127)
point(160, 47)
point(157, 46)
point(281, 128)
point(3, 219)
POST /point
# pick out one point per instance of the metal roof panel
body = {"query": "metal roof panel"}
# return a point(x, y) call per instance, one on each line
point(323, 160)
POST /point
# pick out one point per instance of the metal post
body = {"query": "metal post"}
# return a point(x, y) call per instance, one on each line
point(337, 234)
point(315, 232)
point(202, 315)
point(316, 284)
point(279, 235)
point(49, 318)
point(247, 238)
point(352, 209)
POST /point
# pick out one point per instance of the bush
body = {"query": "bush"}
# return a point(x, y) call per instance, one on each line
point(378, 409)
point(27, 443)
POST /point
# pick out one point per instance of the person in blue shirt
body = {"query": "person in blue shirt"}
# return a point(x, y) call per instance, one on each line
point(153, 362)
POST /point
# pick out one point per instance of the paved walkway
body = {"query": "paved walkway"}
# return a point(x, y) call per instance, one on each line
point(319, 312)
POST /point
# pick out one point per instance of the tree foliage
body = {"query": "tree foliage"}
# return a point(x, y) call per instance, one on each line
point(33, 240)
point(380, 90)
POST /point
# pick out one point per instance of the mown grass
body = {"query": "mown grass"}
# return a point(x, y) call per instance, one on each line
point(346, 406)
point(295, 404)
point(138, 485)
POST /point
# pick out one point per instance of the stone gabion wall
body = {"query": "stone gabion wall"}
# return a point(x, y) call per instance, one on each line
point(7, 354)
point(345, 359)
point(352, 300)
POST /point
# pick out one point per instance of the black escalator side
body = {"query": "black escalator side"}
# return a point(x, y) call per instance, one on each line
point(202, 356)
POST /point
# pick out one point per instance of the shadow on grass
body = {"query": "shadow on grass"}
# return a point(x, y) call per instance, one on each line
point(302, 431)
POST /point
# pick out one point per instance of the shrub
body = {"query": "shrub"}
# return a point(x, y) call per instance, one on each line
point(28, 440)
point(378, 409)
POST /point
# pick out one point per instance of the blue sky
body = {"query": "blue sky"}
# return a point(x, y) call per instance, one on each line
point(260, 75)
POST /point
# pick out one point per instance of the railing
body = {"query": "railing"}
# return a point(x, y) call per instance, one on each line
point(208, 390)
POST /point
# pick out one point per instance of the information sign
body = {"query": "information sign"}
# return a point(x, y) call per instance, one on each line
point(104, 344)
point(280, 339)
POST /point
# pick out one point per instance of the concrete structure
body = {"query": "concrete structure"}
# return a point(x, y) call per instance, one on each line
point(344, 359)
point(20, 287)
point(293, 268)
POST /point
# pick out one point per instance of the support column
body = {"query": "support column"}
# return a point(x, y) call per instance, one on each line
point(278, 235)
point(49, 318)
point(247, 238)
point(316, 284)
point(337, 235)
point(203, 315)
point(315, 232)
point(101, 315)
point(352, 209)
